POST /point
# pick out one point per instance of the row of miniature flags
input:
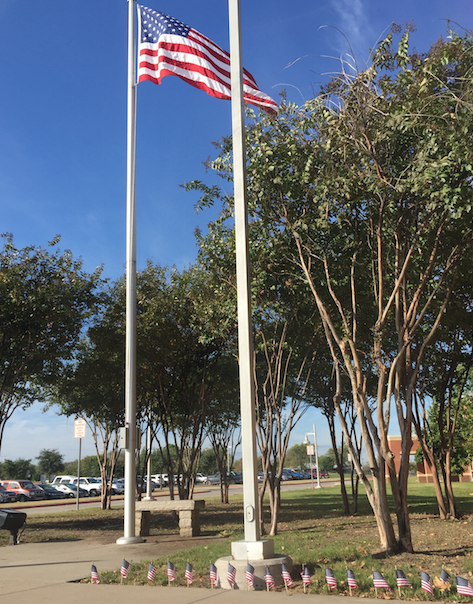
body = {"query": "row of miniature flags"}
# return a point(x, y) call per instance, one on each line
point(464, 587)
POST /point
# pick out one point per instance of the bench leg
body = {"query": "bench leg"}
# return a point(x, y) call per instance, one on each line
point(189, 523)
point(142, 522)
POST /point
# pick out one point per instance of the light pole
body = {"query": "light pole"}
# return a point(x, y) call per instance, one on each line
point(306, 442)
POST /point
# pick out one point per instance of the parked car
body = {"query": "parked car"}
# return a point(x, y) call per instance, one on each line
point(287, 475)
point(322, 473)
point(215, 479)
point(201, 478)
point(50, 492)
point(7, 496)
point(160, 479)
point(25, 489)
point(70, 490)
point(118, 486)
point(92, 485)
point(235, 478)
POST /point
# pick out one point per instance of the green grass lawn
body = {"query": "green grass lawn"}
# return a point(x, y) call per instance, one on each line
point(313, 532)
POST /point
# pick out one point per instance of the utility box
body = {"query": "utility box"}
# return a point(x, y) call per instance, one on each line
point(13, 521)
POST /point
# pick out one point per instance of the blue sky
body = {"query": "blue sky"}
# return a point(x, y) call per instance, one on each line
point(63, 128)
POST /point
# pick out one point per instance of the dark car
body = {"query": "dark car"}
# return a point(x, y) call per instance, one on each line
point(50, 492)
point(7, 496)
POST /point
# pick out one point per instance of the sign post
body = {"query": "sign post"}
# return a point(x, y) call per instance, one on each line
point(79, 432)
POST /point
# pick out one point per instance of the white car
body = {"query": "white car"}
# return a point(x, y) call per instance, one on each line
point(70, 490)
point(201, 478)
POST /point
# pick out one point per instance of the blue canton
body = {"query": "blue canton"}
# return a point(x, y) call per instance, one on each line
point(154, 24)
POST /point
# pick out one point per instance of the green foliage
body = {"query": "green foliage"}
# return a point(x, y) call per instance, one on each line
point(19, 469)
point(363, 197)
point(50, 461)
point(45, 299)
point(296, 457)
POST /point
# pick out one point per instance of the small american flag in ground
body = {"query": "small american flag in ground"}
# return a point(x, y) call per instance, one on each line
point(286, 575)
point(125, 567)
point(305, 574)
point(171, 572)
point(250, 574)
point(379, 581)
point(464, 587)
point(189, 574)
point(268, 577)
point(330, 578)
point(444, 576)
point(231, 574)
point(213, 574)
point(169, 47)
point(402, 580)
point(426, 582)
point(151, 572)
point(94, 575)
point(351, 579)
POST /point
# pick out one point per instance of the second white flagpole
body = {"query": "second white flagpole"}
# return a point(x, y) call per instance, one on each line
point(245, 331)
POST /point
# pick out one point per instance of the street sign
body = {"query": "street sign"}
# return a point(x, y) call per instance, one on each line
point(79, 428)
point(310, 450)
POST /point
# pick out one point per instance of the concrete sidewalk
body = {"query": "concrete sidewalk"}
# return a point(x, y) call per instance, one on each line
point(45, 573)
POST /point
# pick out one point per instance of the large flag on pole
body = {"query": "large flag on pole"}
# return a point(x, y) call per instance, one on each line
point(167, 46)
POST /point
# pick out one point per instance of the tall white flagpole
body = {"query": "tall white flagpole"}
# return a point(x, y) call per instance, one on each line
point(251, 547)
point(130, 338)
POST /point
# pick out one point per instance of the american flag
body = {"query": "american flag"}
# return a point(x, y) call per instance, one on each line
point(169, 47)
point(426, 582)
point(351, 579)
point(330, 578)
point(189, 575)
point(268, 577)
point(286, 575)
point(151, 572)
point(444, 576)
point(231, 574)
point(379, 581)
point(213, 574)
point(94, 575)
point(170, 571)
point(464, 587)
point(125, 567)
point(305, 574)
point(402, 580)
point(250, 574)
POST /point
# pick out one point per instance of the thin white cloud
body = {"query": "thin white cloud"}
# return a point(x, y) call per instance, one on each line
point(354, 25)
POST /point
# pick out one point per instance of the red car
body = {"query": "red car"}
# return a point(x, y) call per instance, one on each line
point(25, 489)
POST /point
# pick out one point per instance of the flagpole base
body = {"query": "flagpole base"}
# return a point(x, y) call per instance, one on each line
point(259, 584)
point(129, 540)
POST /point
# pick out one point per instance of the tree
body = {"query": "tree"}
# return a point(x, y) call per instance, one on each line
point(45, 299)
point(50, 461)
point(93, 385)
point(296, 456)
point(372, 183)
point(19, 469)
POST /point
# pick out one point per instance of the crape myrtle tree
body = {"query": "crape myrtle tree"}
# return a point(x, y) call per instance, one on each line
point(372, 180)
point(45, 300)
point(223, 426)
point(92, 387)
point(284, 341)
point(178, 366)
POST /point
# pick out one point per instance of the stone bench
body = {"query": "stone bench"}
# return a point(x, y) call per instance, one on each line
point(188, 510)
